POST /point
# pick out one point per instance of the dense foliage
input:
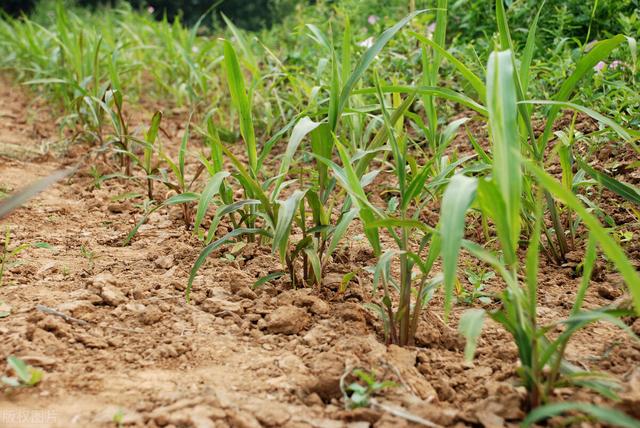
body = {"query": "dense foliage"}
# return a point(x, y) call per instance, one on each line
point(467, 18)
point(248, 14)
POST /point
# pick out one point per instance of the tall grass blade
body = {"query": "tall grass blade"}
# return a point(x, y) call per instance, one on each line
point(625, 190)
point(502, 106)
point(369, 56)
point(241, 102)
point(457, 199)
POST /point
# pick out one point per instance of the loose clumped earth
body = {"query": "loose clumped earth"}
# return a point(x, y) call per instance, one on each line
point(110, 327)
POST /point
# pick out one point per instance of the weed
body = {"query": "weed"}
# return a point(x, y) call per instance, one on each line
point(359, 393)
point(25, 375)
point(478, 280)
point(89, 255)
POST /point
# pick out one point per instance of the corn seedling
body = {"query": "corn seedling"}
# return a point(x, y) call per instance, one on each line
point(319, 241)
point(415, 291)
point(146, 162)
point(498, 198)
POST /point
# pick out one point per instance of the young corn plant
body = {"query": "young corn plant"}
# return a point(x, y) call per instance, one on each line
point(276, 217)
point(498, 197)
point(415, 284)
point(557, 243)
point(146, 162)
point(185, 195)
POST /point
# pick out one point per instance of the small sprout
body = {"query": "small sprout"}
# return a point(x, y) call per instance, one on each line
point(346, 279)
point(26, 375)
point(625, 235)
point(97, 176)
point(359, 393)
point(118, 418)
point(478, 281)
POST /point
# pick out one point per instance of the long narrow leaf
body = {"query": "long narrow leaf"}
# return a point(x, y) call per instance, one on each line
point(456, 201)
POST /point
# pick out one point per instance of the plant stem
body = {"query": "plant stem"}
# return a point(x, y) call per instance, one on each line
point(405, 291)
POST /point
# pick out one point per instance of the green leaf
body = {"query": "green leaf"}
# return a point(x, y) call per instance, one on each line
point(206, 251)
point(322, 145)
point(445, 93)
point(470, 326)
point(268, 146)
point(469, 76)
point(391, 222)
point(274, 275)
point(503, 124)
point(226, 210)
point(527, 56)
point(150, 138)
point(341, 229)
point(20, 367)
point(42, 245)
point(28, 375)
point(246, 50)
point(624, 133)
point(606, 242)
point(349, 180)
point(600, 51)
point(211, 189)
point(302, 128)
point(457, 199)
point(241, 103)
point(252, 187)
point(319, 36)
point(10, 381)
point(383, 268)
point(344, 282)
point(368, 57)
point(286, 213)
point(602, 414)
point(627, 191)
point(183, 198)
point(316, 265)
point(492, 204)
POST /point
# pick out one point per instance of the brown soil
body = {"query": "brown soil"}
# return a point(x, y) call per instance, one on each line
point(234, 357)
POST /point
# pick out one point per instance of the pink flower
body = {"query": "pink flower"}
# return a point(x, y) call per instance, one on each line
point(600, 66)
point(431, 28)
point(150, 9)
point(373, 19)
point(616, 64)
